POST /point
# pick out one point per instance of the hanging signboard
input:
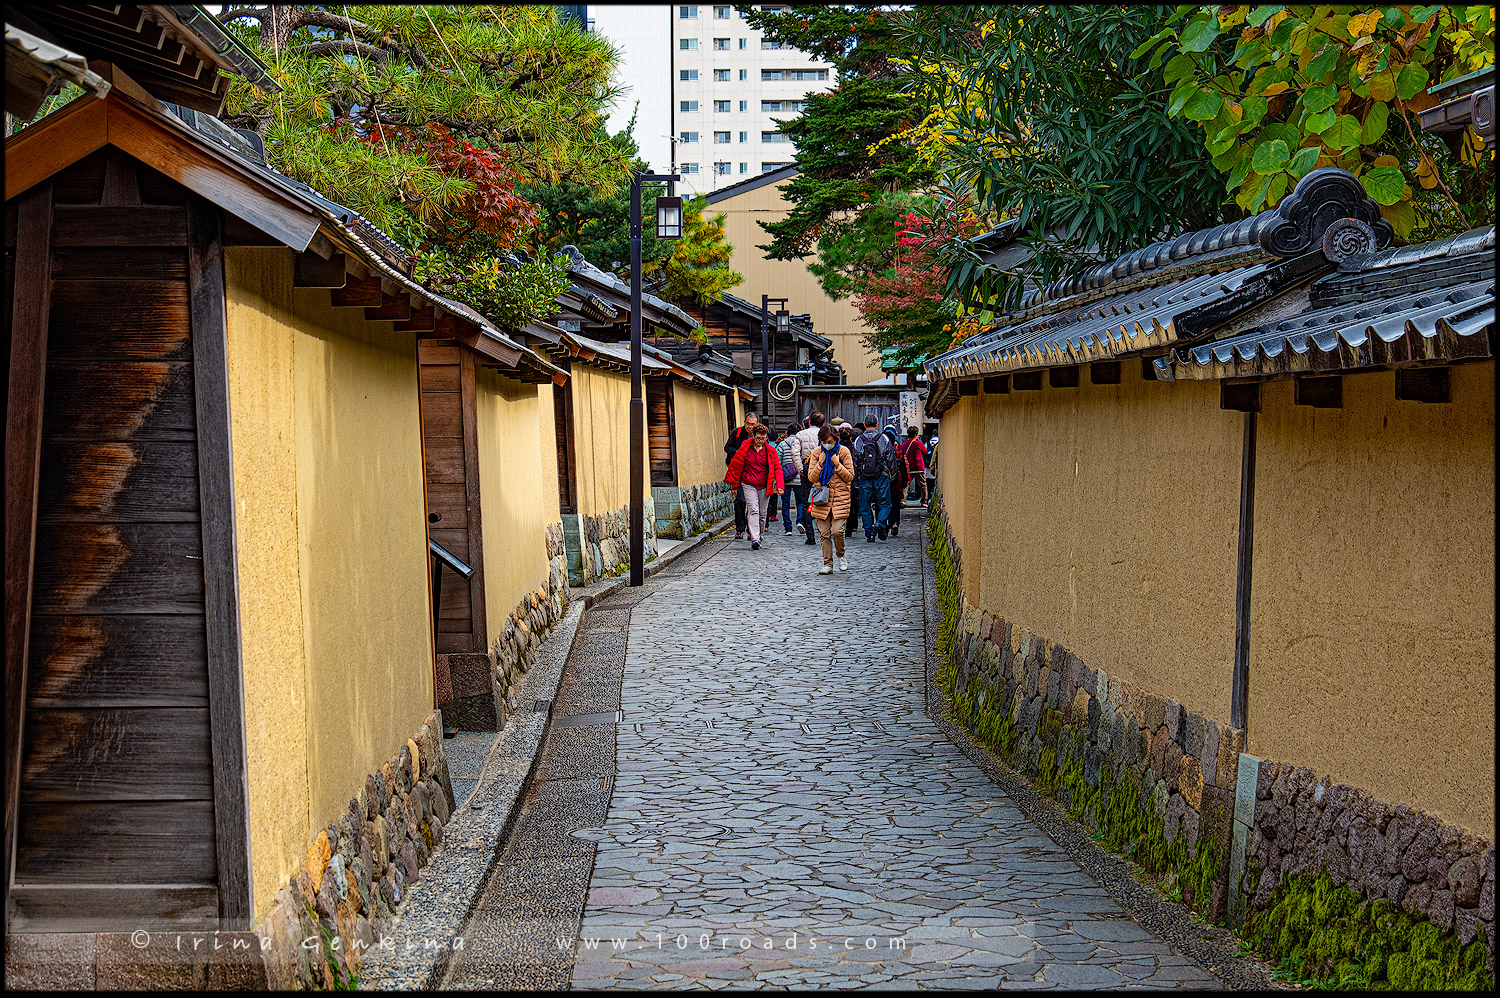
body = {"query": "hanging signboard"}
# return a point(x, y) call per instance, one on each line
point(912, 413)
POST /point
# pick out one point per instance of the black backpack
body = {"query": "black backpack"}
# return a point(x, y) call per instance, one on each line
point(869, 464)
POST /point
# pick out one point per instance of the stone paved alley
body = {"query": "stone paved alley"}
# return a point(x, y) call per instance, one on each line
point(783, 811)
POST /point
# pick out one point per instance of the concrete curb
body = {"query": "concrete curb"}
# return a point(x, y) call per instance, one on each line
point(414, 953)
point(1214, 949)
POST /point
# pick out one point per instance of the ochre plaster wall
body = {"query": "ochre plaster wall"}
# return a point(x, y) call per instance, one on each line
point(1111, 527)
point(1372, 641)
point(332, 550)
point(837, 320)
point(701, 427)
point(601, 436)
point(517, 489)
point(960, 471)
point(261, 340)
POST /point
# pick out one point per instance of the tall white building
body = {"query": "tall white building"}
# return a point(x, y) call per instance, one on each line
point(709, 88)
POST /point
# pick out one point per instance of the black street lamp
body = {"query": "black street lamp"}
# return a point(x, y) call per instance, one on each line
point(668, 226)
point(783, 325)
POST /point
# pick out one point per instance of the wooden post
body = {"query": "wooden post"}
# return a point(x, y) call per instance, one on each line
point(1240, 691)
point(23, 453)
point(226, 704)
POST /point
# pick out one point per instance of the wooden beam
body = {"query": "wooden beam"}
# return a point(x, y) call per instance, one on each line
point(968, 388)
point(390, 307)
point(358, 293)
point(422, 320)
point(226, 705)
point(1242, 397)
point(34, 154)
point(1320, 393)
point(997, 384)
point(469, 414)
point(30, 307)
point(312, 271)
point(1063, 377)
point(1104, 372)
point(1423, 384)
point(1026, 381)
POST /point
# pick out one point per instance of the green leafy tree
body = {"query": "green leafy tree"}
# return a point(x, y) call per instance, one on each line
point(849, 161)
point(1282, 90)
point(1048, 115)
point(698, 268)
point(425, 119)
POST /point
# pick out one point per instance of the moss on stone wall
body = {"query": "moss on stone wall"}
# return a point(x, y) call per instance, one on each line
point(1329, 936)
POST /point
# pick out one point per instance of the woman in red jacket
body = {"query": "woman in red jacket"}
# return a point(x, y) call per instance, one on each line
point(755, 470)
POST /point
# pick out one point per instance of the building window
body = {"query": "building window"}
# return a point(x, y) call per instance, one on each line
point(772, 137)
point(744, 105)
point(721, 105)
point(768, 167)
point(721, 137)
point(721, 76)
point(744, 136)
point(721, 169)
point(687, 105)
point(721, 44)
point(687, 13)
point(721, 13)
point(765, 45)
point(687, 75)
point(688, 44)
point(689, 167)
point(793, 74)
point(744, 167)
point(783, 105)
point(742, 44)
point(744, 74)
point(687, 136)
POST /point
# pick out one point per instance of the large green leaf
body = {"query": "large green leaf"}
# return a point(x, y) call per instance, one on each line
point(1178, 67)
point(1303, 162)
point(1411, 81)
point(1200, 31)
point(1270, 156)
point(1375, 124)
point(1202, 106)
point(1261, 15)
point(1316, 123)
point(1323, 63)
point(1320, 97)
point(1344, 133)
point(1384, 184)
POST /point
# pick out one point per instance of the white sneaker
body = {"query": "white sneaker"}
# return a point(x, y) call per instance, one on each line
point(826, 570)
point(800, 529)
point(843, 565)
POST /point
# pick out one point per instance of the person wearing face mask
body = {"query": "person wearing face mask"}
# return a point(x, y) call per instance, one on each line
point(830, 469)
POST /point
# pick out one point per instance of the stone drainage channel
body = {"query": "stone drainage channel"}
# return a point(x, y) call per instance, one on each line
point(784, 812)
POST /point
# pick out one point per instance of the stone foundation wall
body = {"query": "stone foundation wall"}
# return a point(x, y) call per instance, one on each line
point(1307, 824)
point(598, 546)
point(1058, 721)
point(683, 511)
point(358, 867)
point(528, 624)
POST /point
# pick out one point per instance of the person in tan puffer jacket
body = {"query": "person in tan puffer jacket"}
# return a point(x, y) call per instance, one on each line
point(832, 465)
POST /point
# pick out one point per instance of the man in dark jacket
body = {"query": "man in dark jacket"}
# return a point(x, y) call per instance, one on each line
point(872, 453)
point(731, 448)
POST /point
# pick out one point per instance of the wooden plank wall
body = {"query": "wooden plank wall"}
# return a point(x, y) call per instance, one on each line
point(661, 431)
point(116, 822)
point(449, 438)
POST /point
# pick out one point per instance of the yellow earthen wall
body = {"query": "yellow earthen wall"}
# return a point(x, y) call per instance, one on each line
point(960, 478)
point(517, 490)
point(837, 320)
point(1111, 527)
point(701, 428)
point(1372, 640)
point(601, 439)
point(333, 566)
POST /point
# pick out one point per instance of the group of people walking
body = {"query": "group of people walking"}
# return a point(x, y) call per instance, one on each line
point(830, 478)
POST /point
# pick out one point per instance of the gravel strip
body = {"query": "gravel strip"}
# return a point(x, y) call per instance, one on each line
point(1214, 949)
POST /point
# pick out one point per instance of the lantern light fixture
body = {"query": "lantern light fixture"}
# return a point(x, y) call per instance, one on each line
point(669, 218)
point(783, 321)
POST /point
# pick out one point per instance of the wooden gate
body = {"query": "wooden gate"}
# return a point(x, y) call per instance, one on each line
point(661, 432)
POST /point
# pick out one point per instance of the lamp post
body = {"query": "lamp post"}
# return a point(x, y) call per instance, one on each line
point(668, 226)
point(783, 324)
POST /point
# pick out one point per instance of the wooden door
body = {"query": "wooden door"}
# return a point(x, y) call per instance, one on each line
point(567, 461)
point(661, 432)
point(131, 791)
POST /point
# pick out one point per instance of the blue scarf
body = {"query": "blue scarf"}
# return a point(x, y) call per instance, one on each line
point(828, 462)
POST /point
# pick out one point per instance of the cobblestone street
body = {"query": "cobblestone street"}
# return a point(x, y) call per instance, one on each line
point(784, 813)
